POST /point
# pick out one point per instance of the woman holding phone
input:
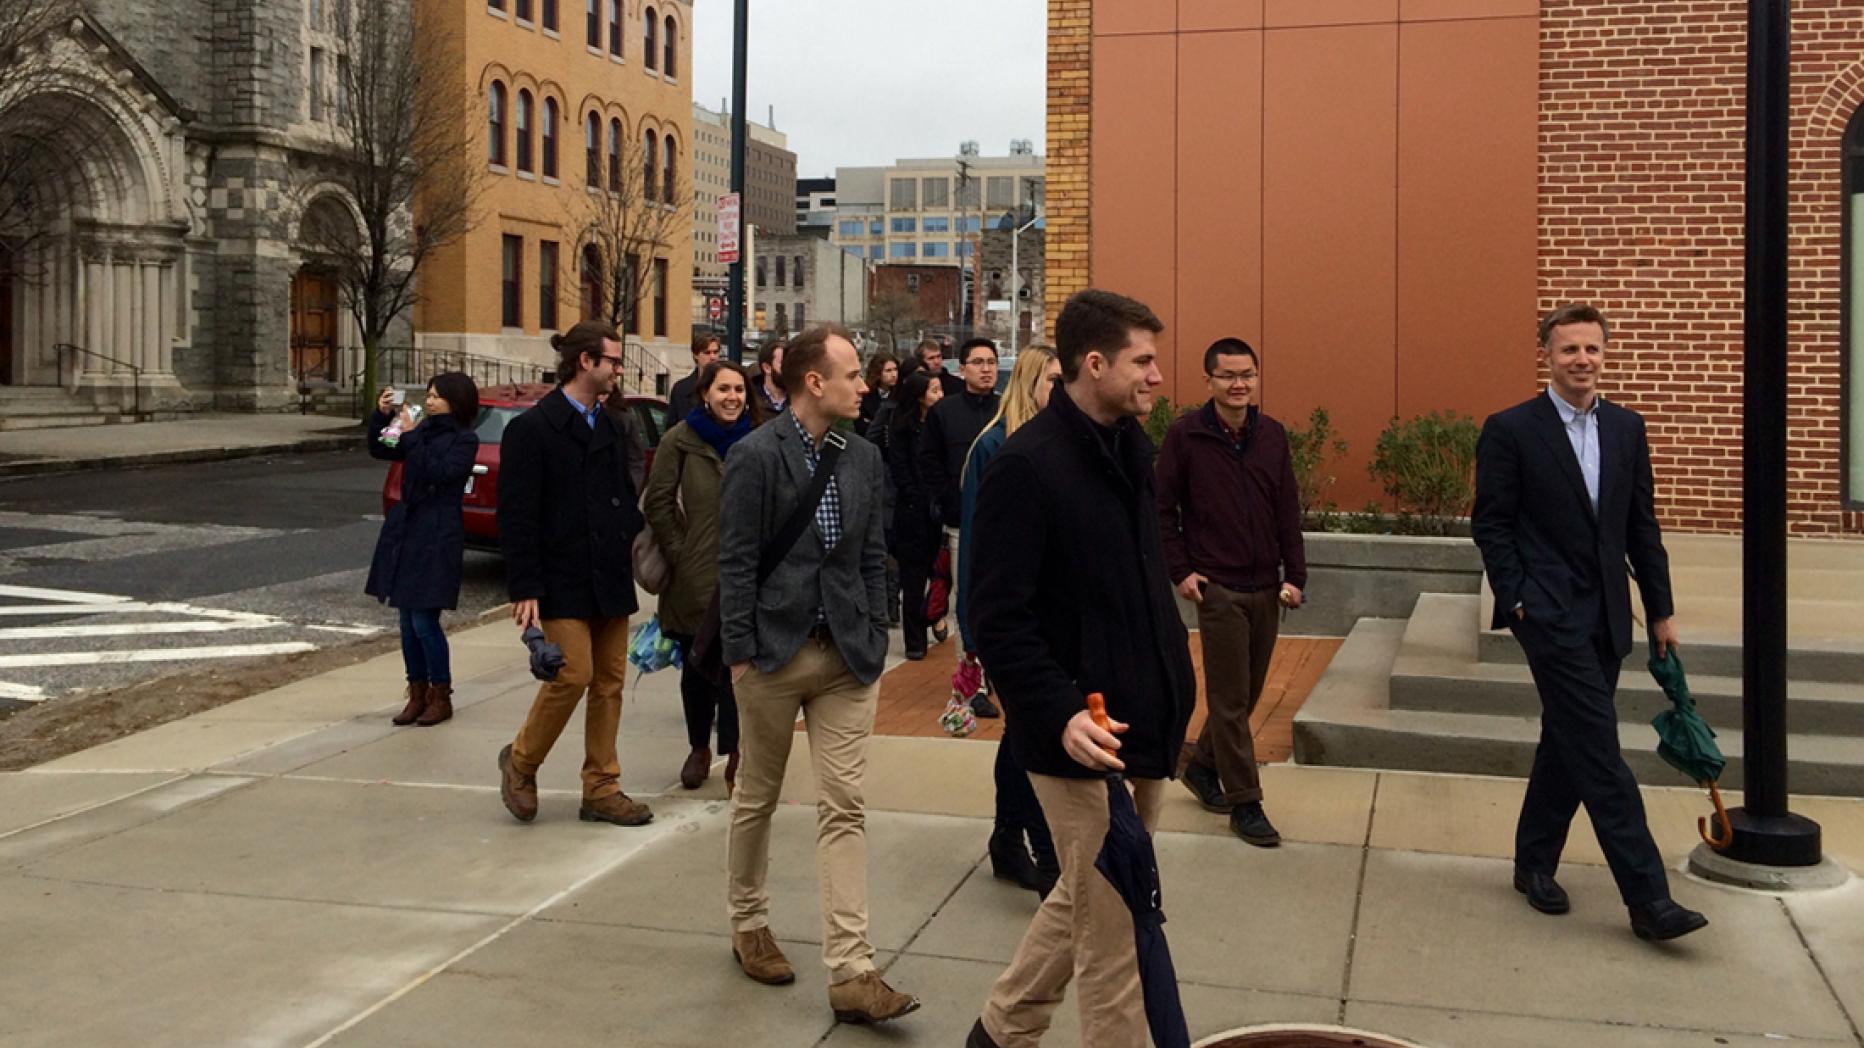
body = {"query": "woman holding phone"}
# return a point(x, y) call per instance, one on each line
point(417, 564)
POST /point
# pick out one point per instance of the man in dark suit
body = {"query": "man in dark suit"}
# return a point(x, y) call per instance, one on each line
point(1564, 498)
point(567, 518)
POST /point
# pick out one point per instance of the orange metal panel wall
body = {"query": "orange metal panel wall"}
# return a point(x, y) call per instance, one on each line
point(1329, 239)
point(1134, 147)
point(1134, 16)
point(1219, 199)
point(1467, 110)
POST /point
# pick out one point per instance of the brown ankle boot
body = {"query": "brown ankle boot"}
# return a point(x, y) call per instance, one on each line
point(417, 703)
point(439, 705)
point(867, 998)
point(697, 769)
point(758, 954)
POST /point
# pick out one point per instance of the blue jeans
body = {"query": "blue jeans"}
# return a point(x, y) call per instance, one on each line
point(424, 646)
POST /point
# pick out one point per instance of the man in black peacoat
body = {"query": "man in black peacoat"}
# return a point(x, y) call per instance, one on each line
point(1564, 498)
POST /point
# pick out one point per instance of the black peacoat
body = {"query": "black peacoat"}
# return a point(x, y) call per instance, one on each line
point(418, 556)
point(567, 512)
point(916, 534)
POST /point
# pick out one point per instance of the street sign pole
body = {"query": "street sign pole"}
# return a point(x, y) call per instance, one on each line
point(1765, 832)
point(741, 28)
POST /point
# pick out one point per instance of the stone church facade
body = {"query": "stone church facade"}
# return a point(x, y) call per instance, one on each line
point(183, 140)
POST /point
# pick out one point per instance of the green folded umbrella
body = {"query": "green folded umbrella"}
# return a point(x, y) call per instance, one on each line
point(1687, 743)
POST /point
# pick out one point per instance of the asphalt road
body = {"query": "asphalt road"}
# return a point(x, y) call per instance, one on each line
point(112, 577)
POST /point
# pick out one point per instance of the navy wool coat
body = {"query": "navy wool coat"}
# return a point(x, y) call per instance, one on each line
point(418, 559)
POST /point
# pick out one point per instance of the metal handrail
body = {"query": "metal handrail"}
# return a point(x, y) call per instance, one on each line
point(59, 349)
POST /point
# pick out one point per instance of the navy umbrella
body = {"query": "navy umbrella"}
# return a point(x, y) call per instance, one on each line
point(1127, 861)
point(546, 658)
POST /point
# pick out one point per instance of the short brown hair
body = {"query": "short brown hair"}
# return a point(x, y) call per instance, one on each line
point(1572, 313)
point(701, 343)
point(1098, 321)
point(586, 337)
point(807, 351)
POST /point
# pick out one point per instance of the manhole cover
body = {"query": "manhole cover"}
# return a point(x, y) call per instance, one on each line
point(1303, 1037)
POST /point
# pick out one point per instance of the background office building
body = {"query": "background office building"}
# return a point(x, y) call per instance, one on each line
point(932, 210)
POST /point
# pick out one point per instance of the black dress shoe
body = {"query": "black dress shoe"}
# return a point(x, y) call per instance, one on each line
point(1048, 872)
point(980, 1038)
point(983, 707)
point(1010, 861)
point(1662, 920)
point(1203, 784)
point(1542, 891)
point(1249, 823)
point(913, 655)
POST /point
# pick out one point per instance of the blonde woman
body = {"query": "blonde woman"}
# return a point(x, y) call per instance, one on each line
point(1018, 813)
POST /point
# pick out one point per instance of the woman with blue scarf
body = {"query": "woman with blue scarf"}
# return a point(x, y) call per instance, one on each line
point(682, 506)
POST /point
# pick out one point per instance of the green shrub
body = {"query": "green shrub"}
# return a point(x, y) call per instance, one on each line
point(1428, 464)
point(1314, 450)
point(1160, 420)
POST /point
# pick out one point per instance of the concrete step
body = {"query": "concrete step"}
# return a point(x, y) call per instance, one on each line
point(1436, 669)
point(1348, 721)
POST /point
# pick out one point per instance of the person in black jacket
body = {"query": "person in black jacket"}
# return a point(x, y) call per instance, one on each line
point(1070, 597)
point(684, 396)
point(950, 431)
point(1564, 500)
point(567, 516)
point(417, 563)
point(916, 535)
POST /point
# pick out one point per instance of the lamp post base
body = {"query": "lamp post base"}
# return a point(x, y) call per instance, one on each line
point(1710, 865)
point(1772, 840)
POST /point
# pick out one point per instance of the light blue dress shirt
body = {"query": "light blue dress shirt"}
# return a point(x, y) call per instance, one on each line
point(588, 413)
point(1582, 431)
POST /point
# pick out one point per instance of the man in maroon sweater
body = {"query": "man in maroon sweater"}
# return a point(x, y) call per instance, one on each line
point(1230, 515)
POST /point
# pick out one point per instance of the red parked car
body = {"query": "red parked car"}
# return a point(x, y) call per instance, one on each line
point(498, 405)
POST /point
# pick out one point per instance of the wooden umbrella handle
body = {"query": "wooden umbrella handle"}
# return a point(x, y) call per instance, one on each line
point(1097, 709)
point(1724, 834)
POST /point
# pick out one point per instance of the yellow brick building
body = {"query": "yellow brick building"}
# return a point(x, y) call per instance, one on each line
point(572, 95)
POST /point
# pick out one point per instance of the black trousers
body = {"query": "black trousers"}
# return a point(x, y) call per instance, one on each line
point(701, 698)
point(1018, 810)
point(914, 574)
point(1578, 762)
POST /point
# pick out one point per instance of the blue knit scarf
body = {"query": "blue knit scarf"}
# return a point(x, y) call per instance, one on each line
point(720, 437)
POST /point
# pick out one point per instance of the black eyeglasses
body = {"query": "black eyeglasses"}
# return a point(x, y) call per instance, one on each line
point(617, 361)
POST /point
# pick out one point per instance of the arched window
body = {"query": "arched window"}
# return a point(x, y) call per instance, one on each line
point(592, 149)
point(593, 20)
point(614, 28)
point(614, 156)
point(650, 166)
point(670, 41)
point(650, 23)
point(495, 124)
point(1853, 313)
point(550, 138)
point(667, 180)
point(524, 130)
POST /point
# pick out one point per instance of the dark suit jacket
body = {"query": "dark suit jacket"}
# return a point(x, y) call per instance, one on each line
point(765, 476)
point(567, 512)
point(1541, 542)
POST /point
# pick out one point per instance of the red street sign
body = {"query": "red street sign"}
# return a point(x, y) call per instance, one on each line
point(714, 307)
point(728, 228)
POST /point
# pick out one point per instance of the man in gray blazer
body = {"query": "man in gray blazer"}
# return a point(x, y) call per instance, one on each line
point(805, 629)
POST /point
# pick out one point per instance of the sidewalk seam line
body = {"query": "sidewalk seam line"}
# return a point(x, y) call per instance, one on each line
point(217, 893)
point(92, 807)
point(1359, 899)
point(1819, 967)
point(668, 828)
point(159, 817)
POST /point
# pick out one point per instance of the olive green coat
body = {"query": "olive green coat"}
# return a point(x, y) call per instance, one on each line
point(685, 524)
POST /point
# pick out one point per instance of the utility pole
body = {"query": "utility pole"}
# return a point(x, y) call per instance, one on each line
point(734, 300)
point(964, 261)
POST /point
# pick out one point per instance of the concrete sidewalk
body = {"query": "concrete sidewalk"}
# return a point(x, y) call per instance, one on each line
point(292, 870)
point(204, 439)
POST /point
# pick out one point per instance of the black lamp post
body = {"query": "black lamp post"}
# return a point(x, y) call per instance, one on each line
point(1765, 832)
point(734, 300)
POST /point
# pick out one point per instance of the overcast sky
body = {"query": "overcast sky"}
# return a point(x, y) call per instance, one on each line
point(865, 82)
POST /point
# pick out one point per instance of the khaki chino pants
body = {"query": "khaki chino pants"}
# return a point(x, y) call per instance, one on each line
point(1239, 631)
point(838, 714)
point(1083, 931)
point(595, 659)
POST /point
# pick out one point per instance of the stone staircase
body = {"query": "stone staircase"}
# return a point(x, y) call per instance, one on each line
point(1439, 692)
point(48, 407)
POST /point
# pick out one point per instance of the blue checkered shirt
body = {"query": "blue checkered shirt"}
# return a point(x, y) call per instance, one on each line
point(828, 511)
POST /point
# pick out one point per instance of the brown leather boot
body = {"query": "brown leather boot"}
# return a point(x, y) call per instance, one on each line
point(417, 703)
point(867, 998)
point(618, 808)
point(697, 769)
point(439, 705)
point(518, 791)
point(757, 953)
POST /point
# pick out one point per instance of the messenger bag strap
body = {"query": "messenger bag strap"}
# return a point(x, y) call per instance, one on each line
point(805, 511)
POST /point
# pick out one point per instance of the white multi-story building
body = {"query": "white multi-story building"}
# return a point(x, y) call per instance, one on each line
point(931, 211)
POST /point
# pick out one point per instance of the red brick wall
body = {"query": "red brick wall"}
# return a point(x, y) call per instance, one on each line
point(1641, 169)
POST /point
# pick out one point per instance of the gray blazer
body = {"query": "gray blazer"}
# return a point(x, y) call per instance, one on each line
point(765, 475)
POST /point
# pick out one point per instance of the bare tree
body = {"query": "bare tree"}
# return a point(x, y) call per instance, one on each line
point(404, 162)
point(894, 315)
point(633, 209)
point(41, 110)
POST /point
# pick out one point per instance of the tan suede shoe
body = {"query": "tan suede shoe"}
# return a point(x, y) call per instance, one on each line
point(518, 791)
point(618, 808)
point(867, 998)
point(757, 953)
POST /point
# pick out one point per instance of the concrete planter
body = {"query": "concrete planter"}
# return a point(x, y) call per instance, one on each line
point(1355, 576)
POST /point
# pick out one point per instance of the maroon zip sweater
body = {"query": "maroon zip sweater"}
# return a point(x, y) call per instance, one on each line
point(1230, 511)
